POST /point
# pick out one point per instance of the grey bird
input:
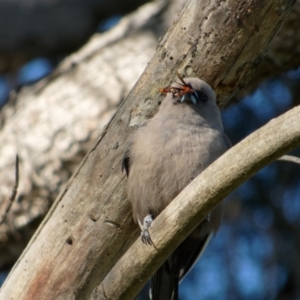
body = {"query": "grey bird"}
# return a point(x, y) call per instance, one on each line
point(164, 156)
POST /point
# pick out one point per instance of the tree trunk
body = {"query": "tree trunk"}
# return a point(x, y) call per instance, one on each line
point(90, 226)
point(52, 131)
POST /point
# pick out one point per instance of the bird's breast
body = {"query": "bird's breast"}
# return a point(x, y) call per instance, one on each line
point(167, 156)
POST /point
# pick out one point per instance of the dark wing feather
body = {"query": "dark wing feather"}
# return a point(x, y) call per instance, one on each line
point(126, 157)
point(186, 255)
point(164, 285)
point(126, 161)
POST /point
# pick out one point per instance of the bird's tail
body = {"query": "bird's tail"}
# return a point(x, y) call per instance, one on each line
point(164, 285)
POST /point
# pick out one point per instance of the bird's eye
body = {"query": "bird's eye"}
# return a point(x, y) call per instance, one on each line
point(201, 96)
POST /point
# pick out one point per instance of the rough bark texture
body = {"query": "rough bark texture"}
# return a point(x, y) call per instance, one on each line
point(72, 105)
point(90, 226)
point(53, 124)
point(283, 53)
point(195, 202)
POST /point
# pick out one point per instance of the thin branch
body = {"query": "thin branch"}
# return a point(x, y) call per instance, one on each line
point(290, 158)
point(14, 192)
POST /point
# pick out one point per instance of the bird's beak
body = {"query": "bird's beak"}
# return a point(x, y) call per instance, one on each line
point(189, 97)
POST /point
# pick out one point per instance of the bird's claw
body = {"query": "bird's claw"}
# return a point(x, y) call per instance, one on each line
point(146, 238)
point(145, 235)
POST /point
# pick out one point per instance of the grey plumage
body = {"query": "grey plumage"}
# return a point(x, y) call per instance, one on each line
point(166, 153)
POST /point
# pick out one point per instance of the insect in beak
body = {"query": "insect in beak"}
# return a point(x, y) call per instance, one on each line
point(185, 92)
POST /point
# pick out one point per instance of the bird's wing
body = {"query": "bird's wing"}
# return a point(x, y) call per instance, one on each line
point(164, 285)
point(195, 255)
point(126, 157)
point(126, 161)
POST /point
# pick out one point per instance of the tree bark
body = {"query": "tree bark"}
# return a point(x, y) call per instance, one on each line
point(90, 226)
point(54, 123)
point(93, 82)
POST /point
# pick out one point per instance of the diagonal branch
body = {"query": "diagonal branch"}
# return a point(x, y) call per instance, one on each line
point(90, 225)
point(290, 158)
point(195, 202)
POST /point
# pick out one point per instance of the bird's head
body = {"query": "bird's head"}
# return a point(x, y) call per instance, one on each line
point(190, 90)
point(196, 94)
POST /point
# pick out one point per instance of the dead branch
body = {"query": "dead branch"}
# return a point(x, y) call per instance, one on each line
point(14, 192)
point(71, 253)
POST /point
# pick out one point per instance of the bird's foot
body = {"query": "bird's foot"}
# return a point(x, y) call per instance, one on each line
point(145, 235)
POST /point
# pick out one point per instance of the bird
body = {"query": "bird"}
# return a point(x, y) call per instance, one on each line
point(164, 155)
